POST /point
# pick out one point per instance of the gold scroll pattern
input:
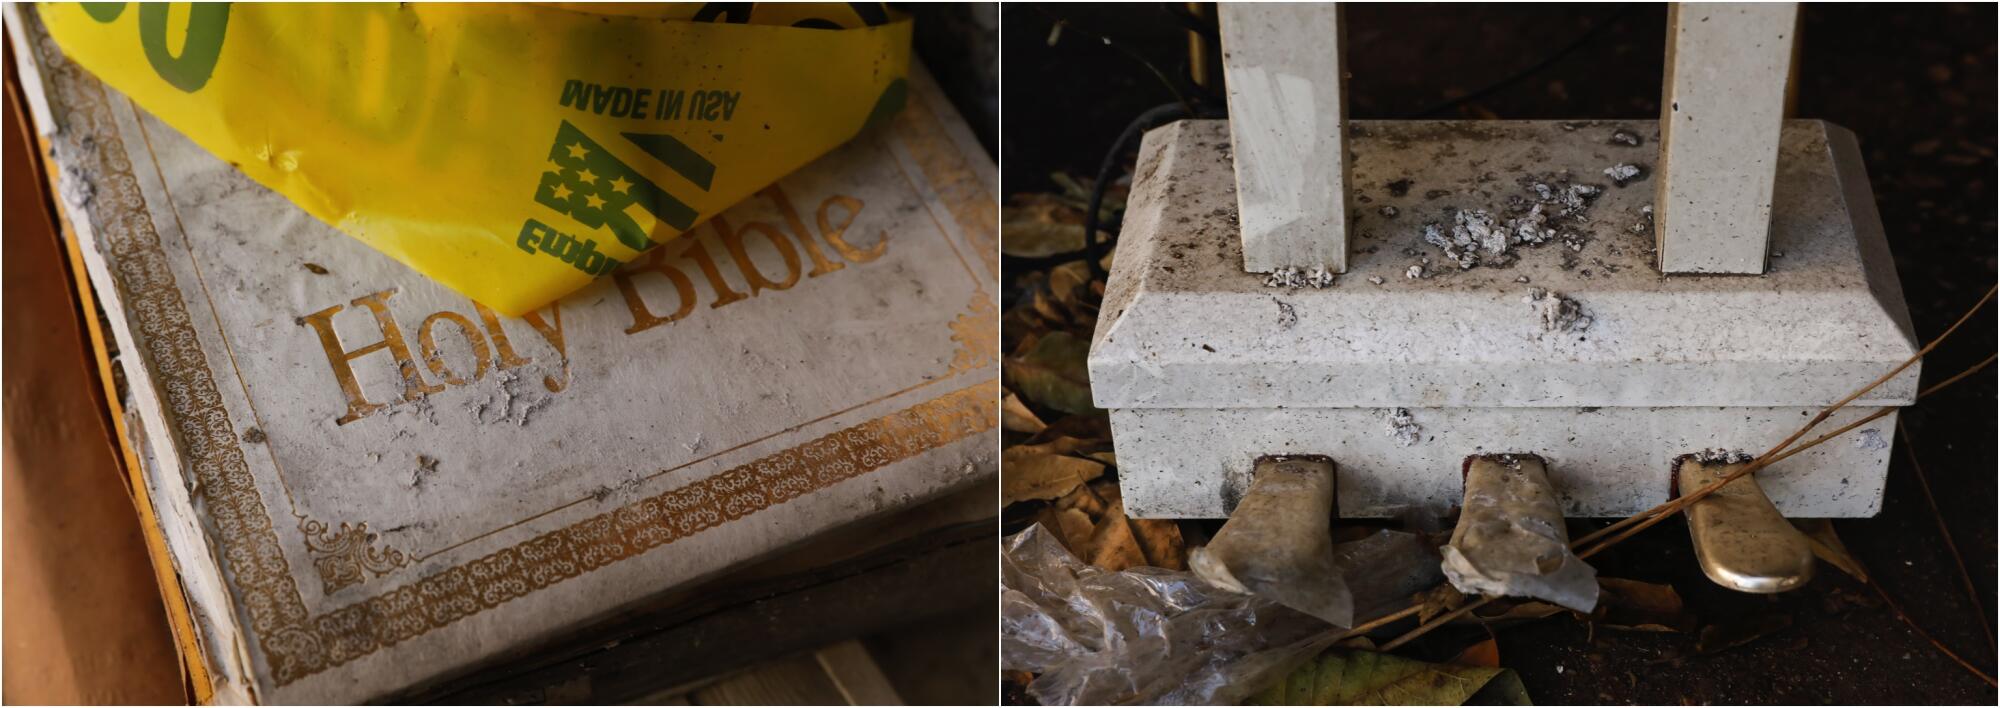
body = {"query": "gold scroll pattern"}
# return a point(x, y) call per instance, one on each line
point(342, 555)
point(448, 596)
point(972, 204)
point(248, 544)
point(978, 343)
point(294, 643)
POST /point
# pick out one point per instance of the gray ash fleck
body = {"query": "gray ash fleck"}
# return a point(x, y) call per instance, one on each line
point(1719, 456)
point(1559, 313)
point(1288, 316)
point(1622, 174)
point(1403, 427)
point(1549, 208)
point(1290, 277)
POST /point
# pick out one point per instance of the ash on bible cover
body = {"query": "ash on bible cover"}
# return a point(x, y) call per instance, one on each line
point(368, 482)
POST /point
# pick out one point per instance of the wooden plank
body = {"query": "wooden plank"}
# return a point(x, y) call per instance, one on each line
point(792, 681)
point(84, 618)
point(1284, 65)
point(945, 660)
point(630, 657)
point(838, 674)
point(1728, 66)
point(854, 672)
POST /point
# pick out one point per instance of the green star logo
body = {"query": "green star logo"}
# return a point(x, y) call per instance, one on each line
point(609, 188)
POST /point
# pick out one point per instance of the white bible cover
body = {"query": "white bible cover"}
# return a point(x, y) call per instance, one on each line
point(367, 482)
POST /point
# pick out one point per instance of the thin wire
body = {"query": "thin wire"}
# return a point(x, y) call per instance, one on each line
point(1531, 69)
point(1924, 482)
point(1064, 25)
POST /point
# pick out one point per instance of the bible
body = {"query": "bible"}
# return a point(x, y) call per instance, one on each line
point(367, 483)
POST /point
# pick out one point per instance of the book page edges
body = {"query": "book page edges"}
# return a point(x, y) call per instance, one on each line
point(197, 604)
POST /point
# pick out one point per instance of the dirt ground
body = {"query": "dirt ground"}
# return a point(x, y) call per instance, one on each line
point(1914, 82)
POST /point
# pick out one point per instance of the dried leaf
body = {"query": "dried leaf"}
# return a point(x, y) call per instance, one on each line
point(1109, 458)
point(1039, 226)
point(1160, 540)
point(1826, 544)
point(1028, 341)
point(1437, 601)
point(1505, 689)
point(1505, 612)
point(1112, 545)
point(1054, 373)
point(1095, 427)
point(1641, 606)
point(1050, 308)
point(1837, 600)
point(1067, 283)
point(1058, 445)
point(1077, 192)
point(1107, 489)
point(1072, 527)
point(1349, 677)
point(1720, 637)
point(1015, 416)
point(1360, 642)
point(1020, 328)
point(1084, 501)
point(1486, 653)
point(1031, 474)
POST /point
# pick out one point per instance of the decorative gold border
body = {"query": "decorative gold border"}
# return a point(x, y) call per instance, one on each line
point(247, 542)
point(445, 597)
point(973, 205)
point(978, 342)
point(344, 555)
point(294, 643)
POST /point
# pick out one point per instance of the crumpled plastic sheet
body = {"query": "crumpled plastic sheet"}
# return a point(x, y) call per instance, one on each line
point(1155, 636)
point(1384, 569)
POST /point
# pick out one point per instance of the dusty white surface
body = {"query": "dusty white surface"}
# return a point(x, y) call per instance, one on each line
point(1724, 103)
point(1205, 368)
point(1283, 63)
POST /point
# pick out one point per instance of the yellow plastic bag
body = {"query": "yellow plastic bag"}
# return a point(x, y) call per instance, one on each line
point(511, 152)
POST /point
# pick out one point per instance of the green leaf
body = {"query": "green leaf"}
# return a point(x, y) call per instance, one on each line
point(1351, 677)
point(1054, 373)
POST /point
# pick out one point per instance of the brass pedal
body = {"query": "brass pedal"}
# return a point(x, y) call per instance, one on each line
point(1278, 543)
point(1511, 539)
point(1740, 539)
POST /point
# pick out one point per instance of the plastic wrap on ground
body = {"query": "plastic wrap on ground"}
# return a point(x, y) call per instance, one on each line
point(1154, 636)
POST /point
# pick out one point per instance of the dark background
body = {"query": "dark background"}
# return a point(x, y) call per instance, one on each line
point(959, 43)
point(1916, 85)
